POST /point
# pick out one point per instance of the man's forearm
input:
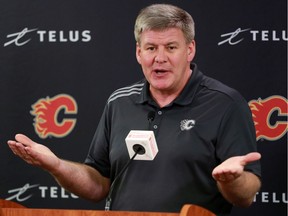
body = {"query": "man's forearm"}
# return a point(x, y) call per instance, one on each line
point(241, 191)
point(82, 180)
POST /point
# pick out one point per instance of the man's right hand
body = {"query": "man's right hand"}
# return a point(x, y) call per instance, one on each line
point(34, 153)
point(80, 179)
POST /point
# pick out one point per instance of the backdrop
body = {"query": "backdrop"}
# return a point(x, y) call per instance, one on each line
point(60, 60)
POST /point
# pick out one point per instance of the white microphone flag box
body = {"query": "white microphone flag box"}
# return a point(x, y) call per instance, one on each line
point(144, 138)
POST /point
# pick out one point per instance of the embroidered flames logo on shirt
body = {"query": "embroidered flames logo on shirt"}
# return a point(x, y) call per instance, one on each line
point(187, 124)
point(51, 116)
point(270, 117)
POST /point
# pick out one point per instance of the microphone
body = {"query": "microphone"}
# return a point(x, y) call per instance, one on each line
point(141, 145)
point(143, 142)
point(151, 116)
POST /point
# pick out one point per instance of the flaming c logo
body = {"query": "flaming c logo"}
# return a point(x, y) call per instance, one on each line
point(262, 111)
point(46, 112)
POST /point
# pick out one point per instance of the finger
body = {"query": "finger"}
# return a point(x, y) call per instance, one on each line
point(219, 177)
point(225, 177)
point(28, 158)
point(24, 140)
point(15, 146)
point(12, 146)
point(251, 157)
point(21, 149)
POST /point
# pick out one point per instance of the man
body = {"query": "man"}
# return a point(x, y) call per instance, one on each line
point(204, 131)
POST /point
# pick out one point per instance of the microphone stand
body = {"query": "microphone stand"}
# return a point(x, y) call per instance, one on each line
point(138, 149)
point(109, 199)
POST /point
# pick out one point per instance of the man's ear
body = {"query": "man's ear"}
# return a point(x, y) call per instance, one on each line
point(138, 53)
point(191, 50)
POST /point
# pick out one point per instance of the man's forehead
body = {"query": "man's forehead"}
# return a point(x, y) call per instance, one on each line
point(170, 35)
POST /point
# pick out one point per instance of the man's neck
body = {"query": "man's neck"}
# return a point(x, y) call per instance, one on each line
point(164, 98)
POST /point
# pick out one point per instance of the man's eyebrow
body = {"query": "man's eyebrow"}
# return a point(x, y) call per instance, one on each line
point(172, 43)
point(167, 44)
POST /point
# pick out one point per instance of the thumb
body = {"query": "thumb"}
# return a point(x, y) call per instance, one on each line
point(251, 157)
point(24, 140)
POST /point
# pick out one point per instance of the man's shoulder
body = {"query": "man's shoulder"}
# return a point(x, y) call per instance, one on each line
point(127, 91)
point(220, 88)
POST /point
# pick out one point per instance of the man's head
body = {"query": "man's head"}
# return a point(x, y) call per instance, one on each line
point(165, 48)
point(164, 16)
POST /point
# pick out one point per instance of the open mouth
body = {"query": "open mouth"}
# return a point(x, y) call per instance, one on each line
point(160, 71)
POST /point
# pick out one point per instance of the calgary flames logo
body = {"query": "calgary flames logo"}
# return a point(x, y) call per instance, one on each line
point(262, 111)
point(47, 111)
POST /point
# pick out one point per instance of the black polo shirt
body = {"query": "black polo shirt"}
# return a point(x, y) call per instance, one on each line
point(206, 124)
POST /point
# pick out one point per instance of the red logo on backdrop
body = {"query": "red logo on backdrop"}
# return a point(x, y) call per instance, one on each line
point(48, 121)
point(262, 111)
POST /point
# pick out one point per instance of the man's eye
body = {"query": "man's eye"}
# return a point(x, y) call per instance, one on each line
point(151, 48)
point(172, 47)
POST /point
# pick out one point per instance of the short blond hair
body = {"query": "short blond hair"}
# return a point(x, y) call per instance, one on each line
point(164, 16)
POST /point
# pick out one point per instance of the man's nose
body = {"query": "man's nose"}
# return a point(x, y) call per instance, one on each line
point(161, 56)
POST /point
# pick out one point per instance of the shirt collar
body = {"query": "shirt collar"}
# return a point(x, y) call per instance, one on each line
point(185, 97)
point(189, 91)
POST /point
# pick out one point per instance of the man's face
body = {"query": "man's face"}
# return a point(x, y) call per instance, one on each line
point(165, 59)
